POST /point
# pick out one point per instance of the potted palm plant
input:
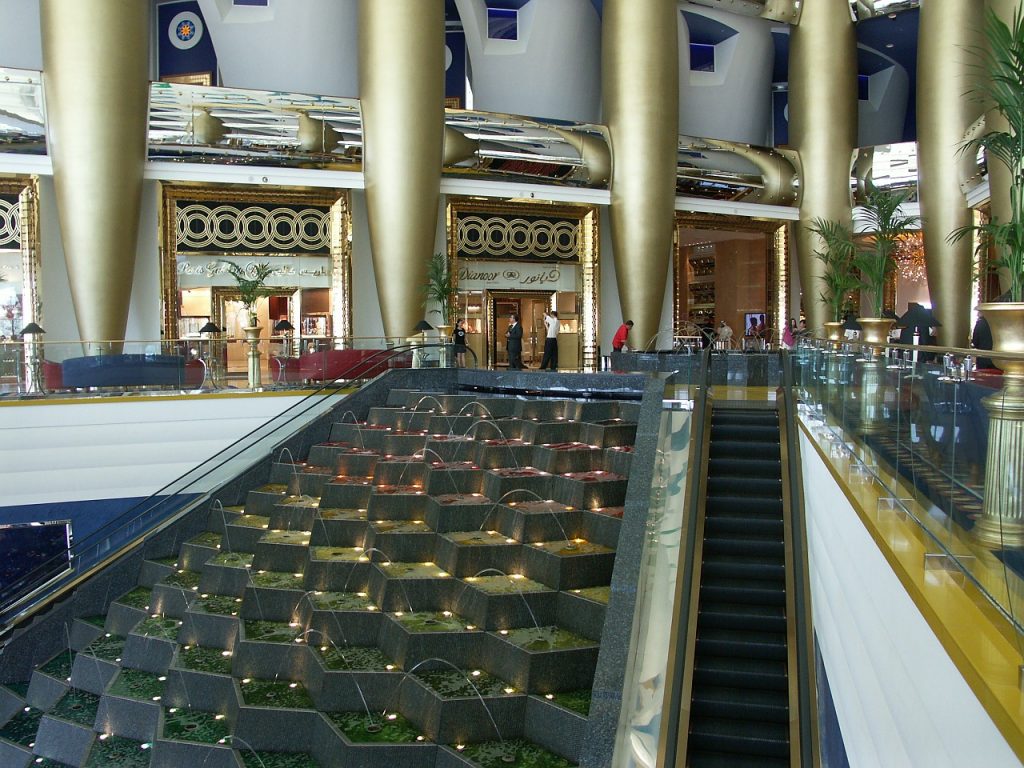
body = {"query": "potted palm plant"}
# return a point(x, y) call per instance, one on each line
point(883, 215)
point(837, 255)
point(251, 282)
point(440, 287)
point(1003, 59)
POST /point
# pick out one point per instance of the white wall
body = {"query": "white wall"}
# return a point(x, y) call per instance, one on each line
point(552, 70)
point(298, 46)
point(20, 39)
point(144, 320)
point(58, 311)
point(53, 452)
point(900, 699)
point(734, 101)
point(366, 316)
point(880, 119)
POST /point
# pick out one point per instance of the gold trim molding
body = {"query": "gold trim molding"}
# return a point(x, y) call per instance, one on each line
point(340, 228)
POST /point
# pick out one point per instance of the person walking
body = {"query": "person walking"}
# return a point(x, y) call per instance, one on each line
point(514, 343)
point(724, 335)
point(550, 341)
point(621, 336)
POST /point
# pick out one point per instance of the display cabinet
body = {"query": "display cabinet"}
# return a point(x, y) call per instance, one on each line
point(701, 283)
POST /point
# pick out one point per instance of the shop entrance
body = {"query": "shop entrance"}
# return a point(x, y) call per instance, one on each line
point(530, 307)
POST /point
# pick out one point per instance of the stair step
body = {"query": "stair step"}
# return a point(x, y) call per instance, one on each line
point(742, 644)
point(739, 567)
point(730, 672)
point(745, 466)
point(752, 547)
point(743, 449)
point(733, 504)
point(762, 618)
point(756, 592)
point(752, 433)
point(732, 485)
point(757, 527)
point(745, 417)
point(708, 759)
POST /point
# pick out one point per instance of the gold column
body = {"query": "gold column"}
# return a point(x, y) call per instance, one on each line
point(823, 130)
point(948, 32)
point(401, 86)
point(96, 85)
point(640, 72)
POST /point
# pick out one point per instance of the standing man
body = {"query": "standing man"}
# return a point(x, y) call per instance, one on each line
point(514, 343)
point(619, 339)
point(550, 341)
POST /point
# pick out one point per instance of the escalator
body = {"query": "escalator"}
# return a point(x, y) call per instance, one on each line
point(739, 711)
point(743, 673)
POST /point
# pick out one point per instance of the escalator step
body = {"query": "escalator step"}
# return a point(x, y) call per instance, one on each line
point(704, 759)
point(743, 527)
point(731, 466)
point(745, 417)
point(744, 449)
point(769, 488)
point(755, 592)
point(732, 567)
point(729, 672)
point(760, 618)
point(712, 701)
point(755, 547)
point(742, 644)
point(741, 736)
point(754, 433)
point(729, 503)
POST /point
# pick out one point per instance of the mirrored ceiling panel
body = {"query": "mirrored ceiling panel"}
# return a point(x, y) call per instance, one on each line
point(21, 112)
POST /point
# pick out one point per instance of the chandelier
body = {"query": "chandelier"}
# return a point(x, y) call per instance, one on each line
point(910, 257)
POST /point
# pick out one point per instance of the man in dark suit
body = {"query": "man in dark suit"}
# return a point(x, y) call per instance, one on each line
point(514, 343)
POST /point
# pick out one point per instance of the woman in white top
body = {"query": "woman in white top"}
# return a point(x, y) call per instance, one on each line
point(550, 341)
point(724, 334)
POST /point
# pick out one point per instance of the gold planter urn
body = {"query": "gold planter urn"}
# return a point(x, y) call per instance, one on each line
point(1002, 520)
point(834, 331)
point(875, 330)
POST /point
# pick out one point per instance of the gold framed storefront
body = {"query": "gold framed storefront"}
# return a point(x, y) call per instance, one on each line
point(19, 231)
point(511, 249)
point(777, 266)
point(338, 236)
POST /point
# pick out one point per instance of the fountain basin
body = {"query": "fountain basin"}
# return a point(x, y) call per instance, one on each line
point(460, 717)
point(518, 656)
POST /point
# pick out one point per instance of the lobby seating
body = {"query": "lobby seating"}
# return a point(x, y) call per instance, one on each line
point(53, 376)
point(331, 364)
point(131, 370)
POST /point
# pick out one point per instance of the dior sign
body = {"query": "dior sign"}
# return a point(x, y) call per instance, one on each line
point(512, 276)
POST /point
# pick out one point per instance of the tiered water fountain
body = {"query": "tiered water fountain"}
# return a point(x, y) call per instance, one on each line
point(427, 589)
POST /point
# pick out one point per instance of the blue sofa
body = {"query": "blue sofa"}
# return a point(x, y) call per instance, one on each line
point(130, 371)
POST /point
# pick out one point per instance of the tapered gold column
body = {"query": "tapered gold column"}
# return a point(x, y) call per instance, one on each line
point(401, 85)
point(823, 130)
point(948, 32)
point(640, 71)
point(96, 85)
point(999, 174)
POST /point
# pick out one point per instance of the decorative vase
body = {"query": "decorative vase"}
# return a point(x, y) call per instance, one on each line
point(252, 338)
point(834, 331)
point(1002, 521)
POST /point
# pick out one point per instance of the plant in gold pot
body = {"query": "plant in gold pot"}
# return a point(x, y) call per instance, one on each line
point(837, 253)
point(251, 281)
point(440, 286)
point(882, 214)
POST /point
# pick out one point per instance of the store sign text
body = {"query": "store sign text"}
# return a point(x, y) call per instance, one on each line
point(516, 276)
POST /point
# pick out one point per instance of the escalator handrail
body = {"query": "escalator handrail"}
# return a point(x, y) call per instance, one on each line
point(678, 670)
point(798, 576)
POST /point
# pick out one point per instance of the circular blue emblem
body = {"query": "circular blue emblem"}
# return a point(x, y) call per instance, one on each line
point(185, 30)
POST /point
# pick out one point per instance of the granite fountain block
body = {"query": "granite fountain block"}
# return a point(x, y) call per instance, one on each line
point(384, 415)
point(270, 603)
point(269, 660)
point(84, 632)
point(337, 569)
point(360, 435)
point(458, 512)
point(345, 459)
point(398, 443)
point(16, 756)
point(558, 431)
point(195, 553)
point(209, 629)
point(412, 421)
point(555, 728)
point(242, 533)
point(227, 574)
point(353, 690)
point(340, 528)
point(451, 424)
point(275, 729)
point(130, 718)
point(532, 521)
point(90, 673)
point(581, 615)
point(400, 470)
point(261, 501)
point(485, 430)
point(44, 691)
point(65, 742)
point(592, 411)
point(121, 619)
point(205, 691)
point(601, 525)
point(450, 448)
point(151, 645)
point(173, 599)
point(492, 407)
point(152, 572)
point(524, 479)
point(345, 618)
point(308, 479)
point(608, 433)
point(495, 602)
point(279, 550)
point(618, 459)
point(533, 663)
point(499, 453)
point(542, 410)
point(468, 553)
point(590, 489)
point(330, 747)
point(568, 564)
point(295, 513)
point(346, 492)
point(452, 477)
point(410, 639)
point(11, 703)
point(401, 541)
point(411, 586)
point(168, 753)
point(567, 457)
point(465, 718)
point(397, 502)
